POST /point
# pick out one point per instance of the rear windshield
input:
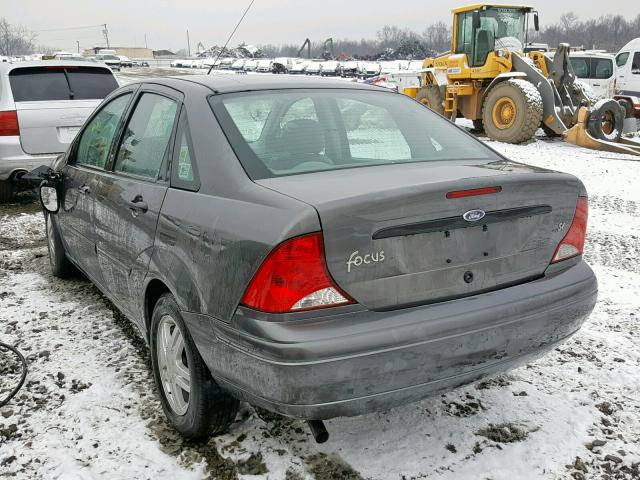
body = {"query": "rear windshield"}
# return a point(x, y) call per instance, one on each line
point(590, 67)
point(289, 132)
point(33, 84)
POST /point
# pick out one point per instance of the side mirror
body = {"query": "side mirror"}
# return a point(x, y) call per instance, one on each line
point(536, 21)
point(48, 180)
point(49, 197)
point(475, 15)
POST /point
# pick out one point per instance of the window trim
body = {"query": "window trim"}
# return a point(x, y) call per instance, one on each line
point(73, 151)
point(162, 176)
point(174, 178)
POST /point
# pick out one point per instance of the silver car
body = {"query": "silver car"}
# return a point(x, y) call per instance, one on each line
point(42, 106)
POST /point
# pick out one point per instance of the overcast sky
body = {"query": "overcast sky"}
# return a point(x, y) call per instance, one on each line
point(269, 21)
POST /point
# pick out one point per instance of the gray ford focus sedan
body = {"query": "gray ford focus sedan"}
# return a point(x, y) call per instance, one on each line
point(318, 248)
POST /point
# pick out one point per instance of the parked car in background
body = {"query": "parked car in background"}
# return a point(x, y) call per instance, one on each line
point(299, 67)
point(139, 63)
point(320, 265)
point(330, 68)
point(314, 67)
point(349, 68)
point(250, 65)
point(264, 65)
point(125, 62)
point(369, 69)
point(281, 65)
point(238, 65)
point(628, 62)
point(42, 106)
point(596, 69)
point(111, 61)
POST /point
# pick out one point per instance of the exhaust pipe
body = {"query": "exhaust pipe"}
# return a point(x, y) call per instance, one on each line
point(318, 430)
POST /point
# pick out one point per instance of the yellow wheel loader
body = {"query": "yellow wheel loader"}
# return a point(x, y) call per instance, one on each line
point(488, 78)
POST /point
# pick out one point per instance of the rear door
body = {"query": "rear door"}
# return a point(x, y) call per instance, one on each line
point(87, 162)
point(52, 103)
point(129, 198)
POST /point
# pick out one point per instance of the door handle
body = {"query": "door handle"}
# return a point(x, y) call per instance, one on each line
point(84, 189)
point(138, 205)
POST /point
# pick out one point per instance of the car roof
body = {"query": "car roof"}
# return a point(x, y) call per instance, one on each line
point(248, 83)
point(592, 54)
point(7, 67)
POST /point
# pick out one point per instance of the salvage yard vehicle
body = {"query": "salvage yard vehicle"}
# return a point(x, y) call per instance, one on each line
point(111, 61)
point(628, 79)
point(597, 70)
point(489, 79)
point(43, 104)
point(628, 61)
point(315, 247)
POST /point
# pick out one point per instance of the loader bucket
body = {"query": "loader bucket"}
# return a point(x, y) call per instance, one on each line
point(579, 135)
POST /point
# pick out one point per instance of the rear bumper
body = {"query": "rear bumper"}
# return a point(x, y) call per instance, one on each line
point(353, 361)
point(14, 160)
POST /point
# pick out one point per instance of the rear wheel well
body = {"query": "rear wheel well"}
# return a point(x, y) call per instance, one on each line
point(154, 291)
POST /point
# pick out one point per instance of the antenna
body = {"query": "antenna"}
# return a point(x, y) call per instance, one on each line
point(230, 36)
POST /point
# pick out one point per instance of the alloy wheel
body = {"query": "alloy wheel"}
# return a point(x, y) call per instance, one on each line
point(173, 365)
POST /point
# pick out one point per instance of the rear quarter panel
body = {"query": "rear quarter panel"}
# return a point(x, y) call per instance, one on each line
point(210, 243)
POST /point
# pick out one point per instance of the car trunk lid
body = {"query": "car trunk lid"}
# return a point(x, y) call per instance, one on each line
point(393, 238)
point(49, 127)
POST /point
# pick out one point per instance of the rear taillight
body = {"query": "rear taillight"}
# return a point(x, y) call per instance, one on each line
point(9, 124)
point(294, 277)
point(573, 242)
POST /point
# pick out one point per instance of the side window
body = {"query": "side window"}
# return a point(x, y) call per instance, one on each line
point(580, 67)
point(635, 66)
point(465, 34)
point(95, 143)
point(146, 136)
point(184, 172)
point(372, 133)
point(603, 68)
point(621, 59)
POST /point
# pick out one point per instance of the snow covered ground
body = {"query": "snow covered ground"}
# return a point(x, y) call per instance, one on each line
point(89, 408)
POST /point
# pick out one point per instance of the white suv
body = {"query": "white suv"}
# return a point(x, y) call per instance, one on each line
point(42, 106)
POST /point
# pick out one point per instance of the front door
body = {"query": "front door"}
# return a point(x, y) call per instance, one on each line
point(81, 176)
point(129, 198)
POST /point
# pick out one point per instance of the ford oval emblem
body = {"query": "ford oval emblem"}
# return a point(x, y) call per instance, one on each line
point(474, 215)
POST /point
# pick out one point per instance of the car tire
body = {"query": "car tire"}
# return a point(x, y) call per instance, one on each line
point(512, 111)
point(61, 266)
point(7, 191)
point(206, 409)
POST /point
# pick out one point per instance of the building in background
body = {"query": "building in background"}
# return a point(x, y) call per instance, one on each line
point(131, 52)
point(163, 54)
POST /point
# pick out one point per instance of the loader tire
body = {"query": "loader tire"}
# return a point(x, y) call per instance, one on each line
point(431, 97)
point(512, 111)
point(606, 121)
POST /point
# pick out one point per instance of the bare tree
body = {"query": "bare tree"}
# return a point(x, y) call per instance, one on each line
point(15, 40)
point(438, 36)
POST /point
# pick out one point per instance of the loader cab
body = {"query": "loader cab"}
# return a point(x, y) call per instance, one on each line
point(481, 29)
